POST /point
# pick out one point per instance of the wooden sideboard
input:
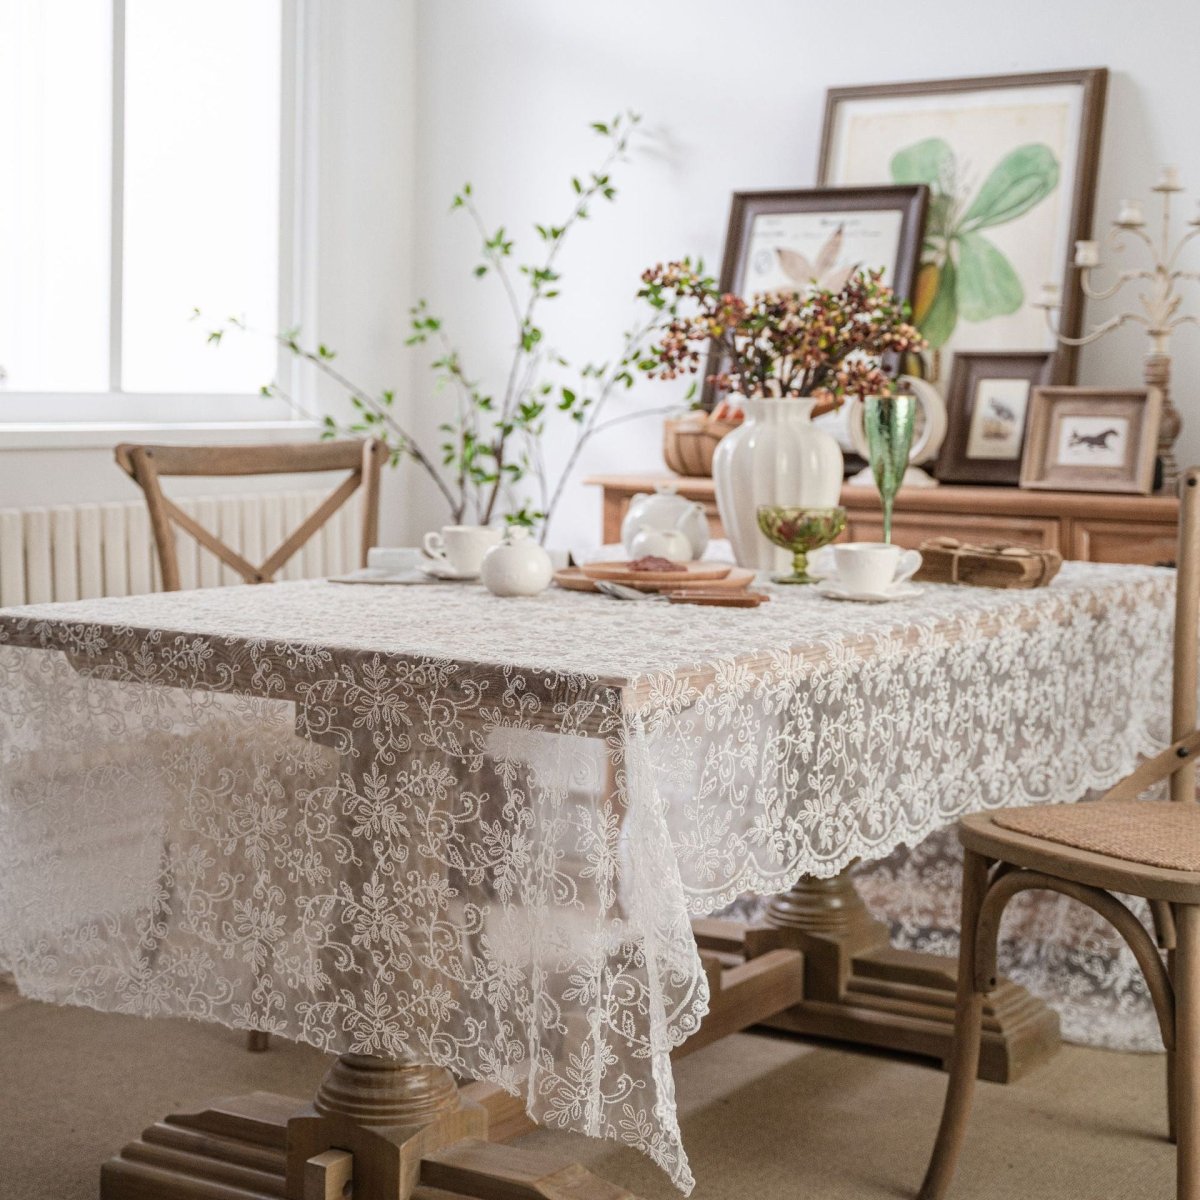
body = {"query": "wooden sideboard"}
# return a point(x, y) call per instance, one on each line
point(1081, 525)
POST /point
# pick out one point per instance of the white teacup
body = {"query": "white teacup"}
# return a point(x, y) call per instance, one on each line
point(461, 547)
point(873, 567)
point(393, 560)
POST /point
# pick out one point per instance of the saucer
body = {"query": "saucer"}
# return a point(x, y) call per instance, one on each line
point(898, 591)
point(377, 576)
point(446, 572)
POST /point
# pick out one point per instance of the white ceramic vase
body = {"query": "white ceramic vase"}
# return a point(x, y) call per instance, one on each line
point(777, 456)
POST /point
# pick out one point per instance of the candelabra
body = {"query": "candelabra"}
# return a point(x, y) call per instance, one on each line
point(1160, 302)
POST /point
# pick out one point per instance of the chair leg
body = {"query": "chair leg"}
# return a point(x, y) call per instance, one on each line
point(1172, 1109)
point(257, 1041)
point(1187, 1053)
point(968, 1028)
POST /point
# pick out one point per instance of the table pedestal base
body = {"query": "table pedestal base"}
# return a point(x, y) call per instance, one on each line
point(858, 989)
point(377, 1130)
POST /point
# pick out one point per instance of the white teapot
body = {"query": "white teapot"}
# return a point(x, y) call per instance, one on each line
point(664, 510)
point(518, 566)
point(662, 543)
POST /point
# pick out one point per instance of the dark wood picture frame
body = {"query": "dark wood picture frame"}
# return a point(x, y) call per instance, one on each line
point(1052, 408)
point(909, 200)
point(1093, 82)
point(970, 370)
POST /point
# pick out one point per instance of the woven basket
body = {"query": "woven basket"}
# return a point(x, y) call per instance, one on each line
point(689, 445)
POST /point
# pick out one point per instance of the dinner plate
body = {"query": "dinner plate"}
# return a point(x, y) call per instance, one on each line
point(898, 591)
point(447, 573)
point(375, 576)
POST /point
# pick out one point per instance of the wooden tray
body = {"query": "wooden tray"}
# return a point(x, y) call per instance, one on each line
point(693, 572)
point(737, 580)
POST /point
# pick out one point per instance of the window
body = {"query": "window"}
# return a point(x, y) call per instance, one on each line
point(142, 154)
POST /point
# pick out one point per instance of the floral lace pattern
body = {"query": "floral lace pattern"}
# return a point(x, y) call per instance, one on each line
point(472, 831)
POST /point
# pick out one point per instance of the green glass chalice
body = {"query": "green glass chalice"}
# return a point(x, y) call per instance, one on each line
point(889, 422)
point(800, 530)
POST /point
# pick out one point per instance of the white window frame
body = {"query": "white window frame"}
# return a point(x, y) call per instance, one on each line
point(53, 419)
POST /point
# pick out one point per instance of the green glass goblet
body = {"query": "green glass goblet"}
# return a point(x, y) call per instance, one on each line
point(800, 530)
point(889, 422)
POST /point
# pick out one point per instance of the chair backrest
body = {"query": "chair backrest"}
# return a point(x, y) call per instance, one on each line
point(1187, 617)
point(146, 465)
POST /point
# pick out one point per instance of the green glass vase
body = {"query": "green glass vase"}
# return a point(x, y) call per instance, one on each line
point(889, 422)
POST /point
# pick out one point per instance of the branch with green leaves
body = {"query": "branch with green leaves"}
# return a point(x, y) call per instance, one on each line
point(491, 448)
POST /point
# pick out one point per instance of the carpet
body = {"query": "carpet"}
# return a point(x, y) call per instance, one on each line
point(763, 1117)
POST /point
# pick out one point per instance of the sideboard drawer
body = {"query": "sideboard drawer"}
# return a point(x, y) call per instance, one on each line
point(1123, 542)
point(910, 529)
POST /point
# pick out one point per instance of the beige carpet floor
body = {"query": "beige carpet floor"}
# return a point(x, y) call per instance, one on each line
point(763, 1118)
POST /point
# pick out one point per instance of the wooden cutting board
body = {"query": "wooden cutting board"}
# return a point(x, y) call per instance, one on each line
point(725, 598)
point(737, 580)
point(686, 573)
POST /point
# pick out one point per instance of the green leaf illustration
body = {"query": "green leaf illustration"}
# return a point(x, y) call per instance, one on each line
point(942, 316)
point(939, 216)
point(987, 284)
point(1019, 180)
point(926, 161)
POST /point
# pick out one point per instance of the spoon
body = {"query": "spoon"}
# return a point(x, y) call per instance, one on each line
point(618, 591)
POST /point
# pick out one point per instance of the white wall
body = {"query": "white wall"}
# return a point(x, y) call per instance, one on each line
point(361, 273)
point(732, 96)
point(417, 96)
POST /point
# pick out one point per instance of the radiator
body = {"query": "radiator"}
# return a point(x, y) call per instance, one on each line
point(79, 551)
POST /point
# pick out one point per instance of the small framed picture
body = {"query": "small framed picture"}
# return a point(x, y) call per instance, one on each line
point(796, 239)
point(1092, 439)
point(985, 413)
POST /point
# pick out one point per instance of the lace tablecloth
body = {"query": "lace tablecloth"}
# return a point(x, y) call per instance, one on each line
point(428, 822)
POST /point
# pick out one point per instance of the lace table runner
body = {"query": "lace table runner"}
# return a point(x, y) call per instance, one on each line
point(433, 823)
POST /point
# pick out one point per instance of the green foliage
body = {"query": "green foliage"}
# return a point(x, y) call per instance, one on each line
point(964, 274)
point(489, 451)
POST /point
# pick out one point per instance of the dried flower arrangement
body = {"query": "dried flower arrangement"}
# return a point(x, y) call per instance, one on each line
point(821, 343)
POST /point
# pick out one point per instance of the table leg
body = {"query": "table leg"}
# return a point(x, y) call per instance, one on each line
point(858, 989)
point(378, 1130)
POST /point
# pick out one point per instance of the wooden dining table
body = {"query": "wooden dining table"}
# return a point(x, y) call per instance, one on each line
point(452, 837)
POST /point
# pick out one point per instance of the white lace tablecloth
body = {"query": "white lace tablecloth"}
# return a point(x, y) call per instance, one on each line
point(429, 822)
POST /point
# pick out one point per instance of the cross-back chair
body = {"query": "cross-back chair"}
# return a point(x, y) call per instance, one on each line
point(148, 465)
point(1089, 851)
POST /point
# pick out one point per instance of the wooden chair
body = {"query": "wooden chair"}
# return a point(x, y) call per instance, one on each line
point(146, 465)
point(1088, 851)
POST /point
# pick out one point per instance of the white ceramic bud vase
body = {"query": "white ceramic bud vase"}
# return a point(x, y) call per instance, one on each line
point(777, 456)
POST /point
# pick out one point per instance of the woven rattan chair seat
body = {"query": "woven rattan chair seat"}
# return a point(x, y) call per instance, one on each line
point(1146, 832)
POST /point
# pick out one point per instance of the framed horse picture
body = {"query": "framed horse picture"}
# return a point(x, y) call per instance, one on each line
point(1092, 439)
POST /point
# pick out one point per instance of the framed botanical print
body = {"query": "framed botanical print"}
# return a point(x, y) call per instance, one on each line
point(1010, 161)
point(1092, 439)
point(790, 240)
point(986, 406)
